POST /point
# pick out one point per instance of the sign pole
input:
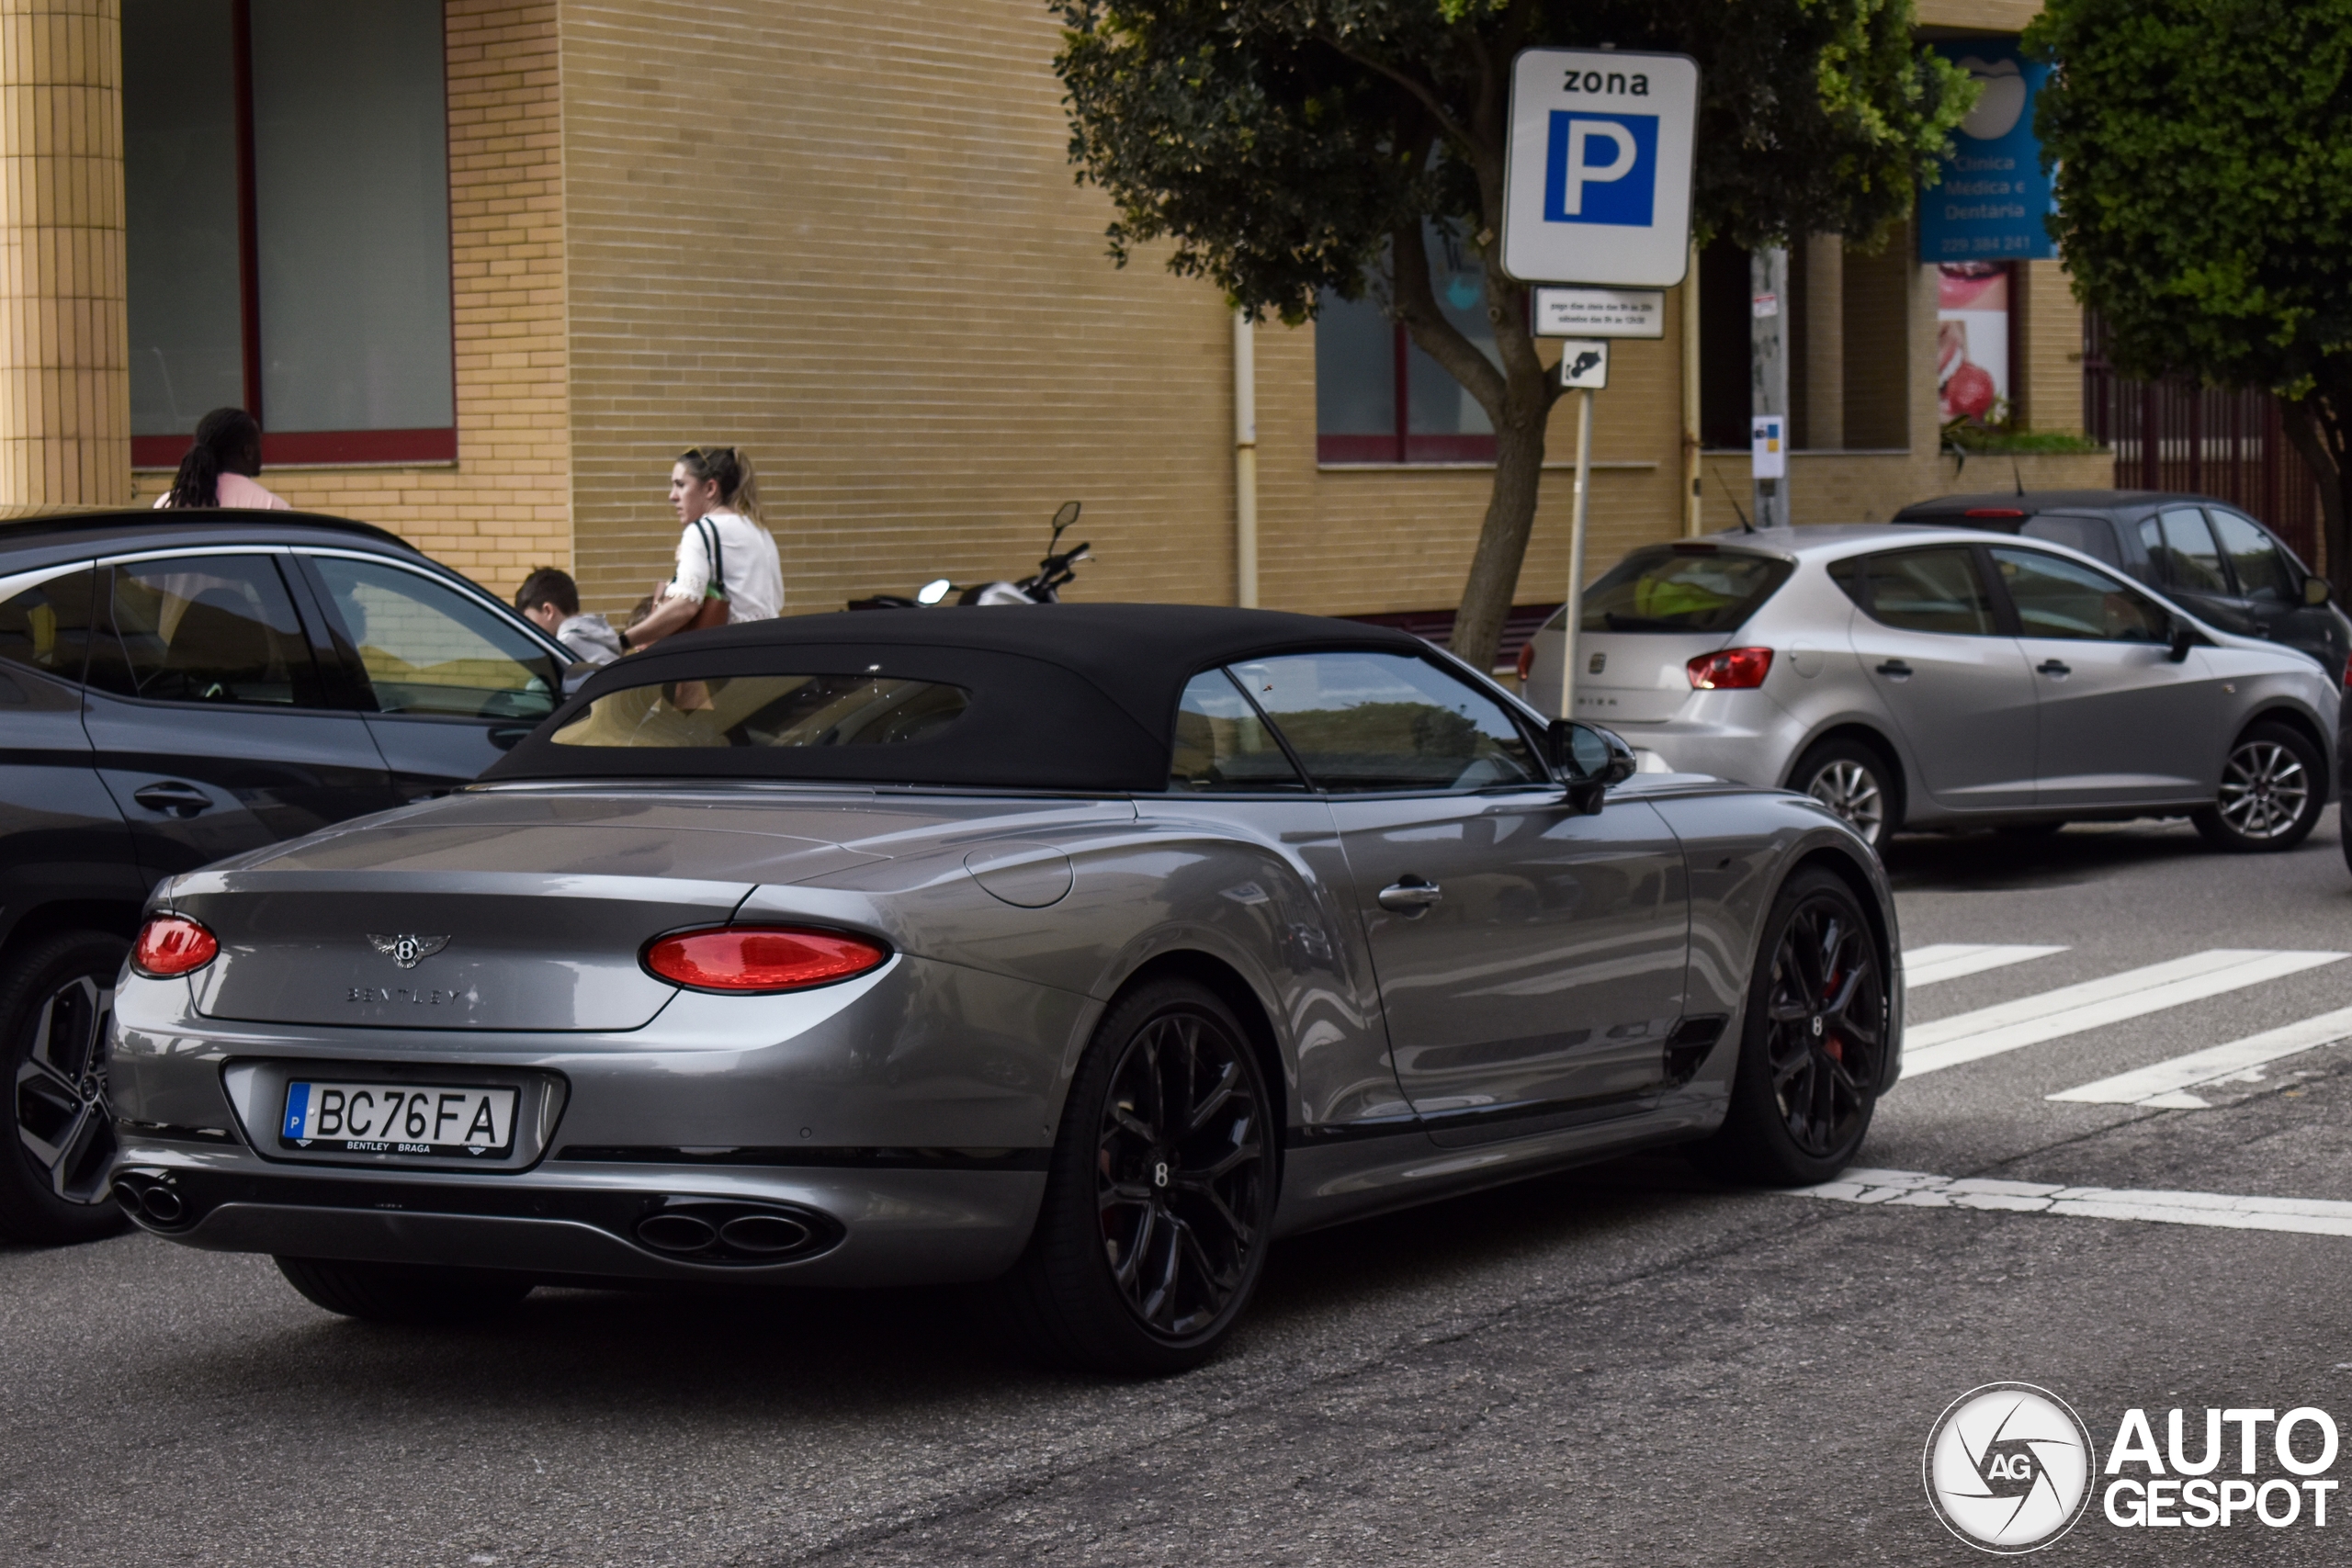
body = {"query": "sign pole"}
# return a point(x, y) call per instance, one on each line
point(1573, 613)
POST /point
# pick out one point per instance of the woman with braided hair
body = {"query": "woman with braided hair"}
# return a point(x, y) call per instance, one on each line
point(727, 569)
point(220, 467)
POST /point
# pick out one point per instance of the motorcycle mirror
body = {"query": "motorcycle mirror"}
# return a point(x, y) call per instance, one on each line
point(931, 593)
point(1067, 515)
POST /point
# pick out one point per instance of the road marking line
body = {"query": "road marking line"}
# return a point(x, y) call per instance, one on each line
point(1917, 1190)
point(1951, 960)
point(2166, 1084)
point(2094, 1004)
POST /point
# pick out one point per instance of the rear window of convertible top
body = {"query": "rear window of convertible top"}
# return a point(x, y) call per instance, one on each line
point(1686, 589)
point(724, 712)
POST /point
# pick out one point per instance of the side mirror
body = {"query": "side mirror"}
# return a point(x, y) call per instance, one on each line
point(2315, 590)
point(2183, 639)
point(1588, 759)
point(931, 593)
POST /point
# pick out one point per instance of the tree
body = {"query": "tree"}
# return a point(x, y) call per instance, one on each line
point(2204, 152)
point(1287, 147)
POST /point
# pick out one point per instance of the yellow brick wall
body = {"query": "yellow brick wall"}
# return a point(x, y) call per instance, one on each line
point(64, 355)
point(504, 506)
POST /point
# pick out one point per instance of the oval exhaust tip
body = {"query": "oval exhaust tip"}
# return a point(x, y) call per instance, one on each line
point(763, 1232)
point(161, 1205)
point(675, 1233)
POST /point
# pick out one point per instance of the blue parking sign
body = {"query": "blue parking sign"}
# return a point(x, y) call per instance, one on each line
point(1602, 169)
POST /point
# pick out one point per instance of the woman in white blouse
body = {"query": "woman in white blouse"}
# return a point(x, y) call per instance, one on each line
point(727, 569)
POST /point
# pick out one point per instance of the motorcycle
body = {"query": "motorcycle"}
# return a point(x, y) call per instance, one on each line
point(1042, 587)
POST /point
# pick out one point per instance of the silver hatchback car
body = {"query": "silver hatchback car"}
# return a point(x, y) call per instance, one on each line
point(1917, 678)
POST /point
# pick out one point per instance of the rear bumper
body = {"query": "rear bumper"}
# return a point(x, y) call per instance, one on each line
point(578, 1219)
point(1749, 741)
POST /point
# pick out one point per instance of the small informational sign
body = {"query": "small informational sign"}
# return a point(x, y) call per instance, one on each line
point(1764, 307)
point(1596, 183)
point(1768, 449)
point(1583, 364)
point(1600, 312)
point(1993, 195)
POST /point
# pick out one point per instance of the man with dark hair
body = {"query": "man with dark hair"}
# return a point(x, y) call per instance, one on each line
point(550, 601)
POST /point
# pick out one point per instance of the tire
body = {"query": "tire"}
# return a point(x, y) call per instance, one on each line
point(1809, 1073)
point(1148, 1246)
point(399, 1292)
point(2274, 787)
point(1853, 780)
point(55, 1003)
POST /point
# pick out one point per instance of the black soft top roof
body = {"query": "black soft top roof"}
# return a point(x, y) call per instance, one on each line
point(1063, 696)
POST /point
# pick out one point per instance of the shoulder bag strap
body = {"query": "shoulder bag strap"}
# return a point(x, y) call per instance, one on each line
point(717, 556)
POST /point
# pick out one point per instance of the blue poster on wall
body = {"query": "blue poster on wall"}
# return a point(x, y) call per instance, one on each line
point(1993, 195)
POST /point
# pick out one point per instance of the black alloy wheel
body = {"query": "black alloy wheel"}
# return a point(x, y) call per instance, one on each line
point(1813, 1047)
point(2273, 789)
point(56, 1008)
point(1159, 1202)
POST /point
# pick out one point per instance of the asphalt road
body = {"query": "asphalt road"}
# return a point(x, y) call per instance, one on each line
point(1624, 1365)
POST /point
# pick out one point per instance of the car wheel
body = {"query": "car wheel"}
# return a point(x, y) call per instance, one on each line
point(1159, 1200)
point(1814, 1049)
point(2271, 794)
point(55, 1006)
point(1852, 779)
point(399, 1292)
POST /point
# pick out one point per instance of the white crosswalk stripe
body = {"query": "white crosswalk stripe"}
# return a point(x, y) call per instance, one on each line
point(2166, 1084)
point(1951, 960)
point(1918, 1190)
point(2094, 1004)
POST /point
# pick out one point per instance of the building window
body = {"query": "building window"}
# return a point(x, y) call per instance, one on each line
point(1378, 398)
point(287, 176)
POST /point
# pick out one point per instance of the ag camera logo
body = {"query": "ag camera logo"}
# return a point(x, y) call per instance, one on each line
point(2008, 1468)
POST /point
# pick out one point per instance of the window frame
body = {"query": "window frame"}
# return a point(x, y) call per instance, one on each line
point(2008, 608)
point(2293, 568)
point(1536, 743)
point(333, 698)
point(333, 647)
point(309, 448)
point(2004, 614)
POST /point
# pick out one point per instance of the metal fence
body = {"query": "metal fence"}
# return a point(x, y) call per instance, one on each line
point(2178, 435)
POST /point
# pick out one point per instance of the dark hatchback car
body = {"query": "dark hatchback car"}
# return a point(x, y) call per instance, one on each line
point(2213, 558)
point(178, 686)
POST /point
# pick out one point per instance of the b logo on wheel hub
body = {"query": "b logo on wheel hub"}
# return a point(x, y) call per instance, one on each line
point(2008, 1468)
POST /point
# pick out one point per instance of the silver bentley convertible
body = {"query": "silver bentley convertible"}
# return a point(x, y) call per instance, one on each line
point(1087, 949)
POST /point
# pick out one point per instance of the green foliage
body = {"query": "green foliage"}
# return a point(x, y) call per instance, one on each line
point(1969, 437)
point(1280, 143)
point(2204, 154)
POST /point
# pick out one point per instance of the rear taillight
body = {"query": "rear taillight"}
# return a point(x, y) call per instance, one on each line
point(1526, 660)
point(761, 958)
point(1733, 670)
point(169, 945)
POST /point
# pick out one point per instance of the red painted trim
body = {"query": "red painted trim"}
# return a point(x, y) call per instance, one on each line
point(241, 28)
point(281, 447)
point(1449, 449)
point(1355, 448)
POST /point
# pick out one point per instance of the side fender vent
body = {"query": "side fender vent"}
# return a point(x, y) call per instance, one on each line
point(1687, 1047)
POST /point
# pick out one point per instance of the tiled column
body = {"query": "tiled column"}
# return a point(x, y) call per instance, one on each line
point(64, 372)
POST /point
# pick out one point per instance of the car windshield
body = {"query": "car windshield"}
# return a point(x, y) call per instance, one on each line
point(726, 711)
point(1679, 587)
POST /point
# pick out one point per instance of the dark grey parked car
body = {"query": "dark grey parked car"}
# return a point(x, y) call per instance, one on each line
point(1089, 947)
point(178, 686)
point(2205, 555)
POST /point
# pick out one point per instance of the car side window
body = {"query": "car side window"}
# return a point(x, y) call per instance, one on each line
point(1223, 744)
point(2095, 536)
point(428, 649)
point(203, 629)
point(2262, 572)
point(1936, 590)
point(2184, 551)
point(2057, 598)
point(47, 626)
point(1385, 721)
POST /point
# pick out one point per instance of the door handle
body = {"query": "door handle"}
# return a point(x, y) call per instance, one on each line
point(173, 798)
point(1410, 895)
point(2053, 667)
point(1894, 670)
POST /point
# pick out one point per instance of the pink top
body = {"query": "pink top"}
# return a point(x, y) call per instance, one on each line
point(235, 490)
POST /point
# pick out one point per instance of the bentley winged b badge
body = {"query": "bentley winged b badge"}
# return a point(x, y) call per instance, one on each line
point(405, 949)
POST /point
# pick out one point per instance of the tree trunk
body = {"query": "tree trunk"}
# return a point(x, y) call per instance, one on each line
point(2316, 424)
point(1493, 582)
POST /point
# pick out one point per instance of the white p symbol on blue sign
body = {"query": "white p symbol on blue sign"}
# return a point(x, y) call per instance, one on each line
point(1602, 169)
